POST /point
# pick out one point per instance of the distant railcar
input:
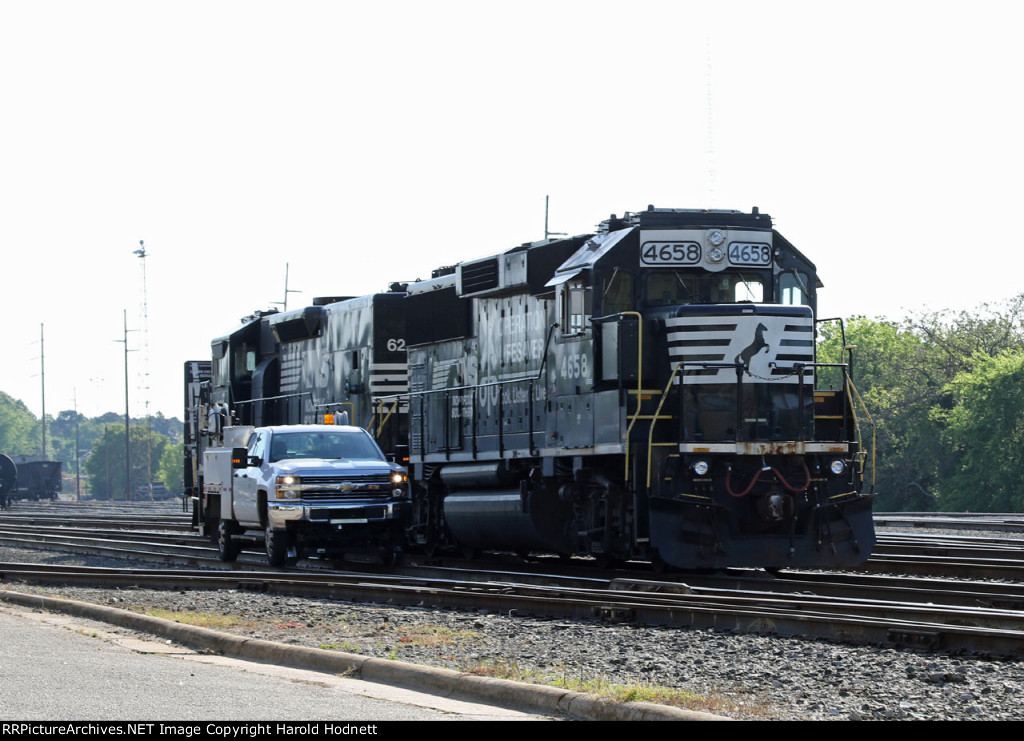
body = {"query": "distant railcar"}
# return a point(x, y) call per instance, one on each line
point(37, 479)
point(8, 480)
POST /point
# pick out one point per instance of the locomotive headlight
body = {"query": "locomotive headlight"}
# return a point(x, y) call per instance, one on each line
point(701, 467)
point(287, 487)
point(716, 245)
point(837, 466)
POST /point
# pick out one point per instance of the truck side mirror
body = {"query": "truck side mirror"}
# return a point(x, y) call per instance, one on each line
point(239, 458)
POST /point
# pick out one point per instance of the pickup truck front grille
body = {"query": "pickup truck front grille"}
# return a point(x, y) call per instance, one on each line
point(335, 487)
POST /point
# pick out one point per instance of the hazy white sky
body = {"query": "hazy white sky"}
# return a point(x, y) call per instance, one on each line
point(363, 143)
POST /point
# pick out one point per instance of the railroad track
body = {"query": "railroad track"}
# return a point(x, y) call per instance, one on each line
point(953, 616)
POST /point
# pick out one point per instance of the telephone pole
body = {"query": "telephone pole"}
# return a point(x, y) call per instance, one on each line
point(42, 382)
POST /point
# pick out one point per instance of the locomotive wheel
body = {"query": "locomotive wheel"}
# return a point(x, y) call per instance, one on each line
point(277, 546)
point(227, 547)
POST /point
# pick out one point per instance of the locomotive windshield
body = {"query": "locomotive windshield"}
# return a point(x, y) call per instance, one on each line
point(675, 287)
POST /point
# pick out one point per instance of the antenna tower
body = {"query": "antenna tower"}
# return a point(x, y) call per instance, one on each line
point(144, 380)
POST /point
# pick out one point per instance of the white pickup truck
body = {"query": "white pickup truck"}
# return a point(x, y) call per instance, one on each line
point(309, 489)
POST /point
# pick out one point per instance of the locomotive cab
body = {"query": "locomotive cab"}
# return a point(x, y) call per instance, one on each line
point(653, 398)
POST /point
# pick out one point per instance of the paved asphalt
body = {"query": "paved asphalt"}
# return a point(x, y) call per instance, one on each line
point(62, 660)
point(59, 668)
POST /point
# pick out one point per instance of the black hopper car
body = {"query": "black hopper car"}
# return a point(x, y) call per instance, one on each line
point(22, 477)
point(648, 391)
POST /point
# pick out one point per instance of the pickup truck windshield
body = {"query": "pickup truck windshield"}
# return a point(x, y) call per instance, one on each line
point(350, 445)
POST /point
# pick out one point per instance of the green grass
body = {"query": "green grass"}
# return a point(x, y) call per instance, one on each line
point(346, 646)
point(202, 619)
point(436, 636)
point(637, 692)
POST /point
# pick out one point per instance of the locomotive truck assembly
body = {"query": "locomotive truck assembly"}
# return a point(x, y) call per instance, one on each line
point(647, 391)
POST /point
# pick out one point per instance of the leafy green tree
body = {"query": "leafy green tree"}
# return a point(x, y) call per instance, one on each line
point(19, 429)
point(106, 464)
point(984, 431)
point(172, 464)
point(913, 375)
point(895, 373)
point(958, 337)
point(71, 432)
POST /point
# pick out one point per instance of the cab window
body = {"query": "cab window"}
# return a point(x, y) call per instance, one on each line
point(256, 445)
point(617, 292)
point(793, 288)
point(575, 307)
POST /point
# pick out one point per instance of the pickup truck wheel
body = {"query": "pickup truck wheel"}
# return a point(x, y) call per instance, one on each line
point(277, 546)
point(392, 556)
point(227, 547)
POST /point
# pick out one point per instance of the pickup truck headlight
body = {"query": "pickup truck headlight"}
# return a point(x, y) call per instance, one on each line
point(287, 487)
point(399, 482)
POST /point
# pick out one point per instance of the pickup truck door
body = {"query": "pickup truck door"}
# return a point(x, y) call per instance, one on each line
point(246, 481)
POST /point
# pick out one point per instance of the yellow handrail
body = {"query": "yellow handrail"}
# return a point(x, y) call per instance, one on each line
point(380, 411)
point(657, 414)
point(850, 387)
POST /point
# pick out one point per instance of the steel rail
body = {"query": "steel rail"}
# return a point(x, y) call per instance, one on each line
point(996, 632)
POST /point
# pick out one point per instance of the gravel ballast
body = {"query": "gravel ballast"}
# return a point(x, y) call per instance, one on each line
point(739, 676)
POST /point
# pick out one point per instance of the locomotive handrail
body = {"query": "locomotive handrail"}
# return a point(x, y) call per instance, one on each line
point(352, 415)
point(657, 414)
point(379, 411)
point(850, 387)
point(275, 398)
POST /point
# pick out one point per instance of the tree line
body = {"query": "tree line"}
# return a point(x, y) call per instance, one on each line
point(946, 392)
point(156, 448)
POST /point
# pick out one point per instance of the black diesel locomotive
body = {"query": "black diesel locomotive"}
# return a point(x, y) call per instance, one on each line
point(647, 391)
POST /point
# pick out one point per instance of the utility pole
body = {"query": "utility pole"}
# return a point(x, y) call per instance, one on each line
point(42, 383)
point(127, 418)
point(106, 462)
point(141, 253)
point(78, 475)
